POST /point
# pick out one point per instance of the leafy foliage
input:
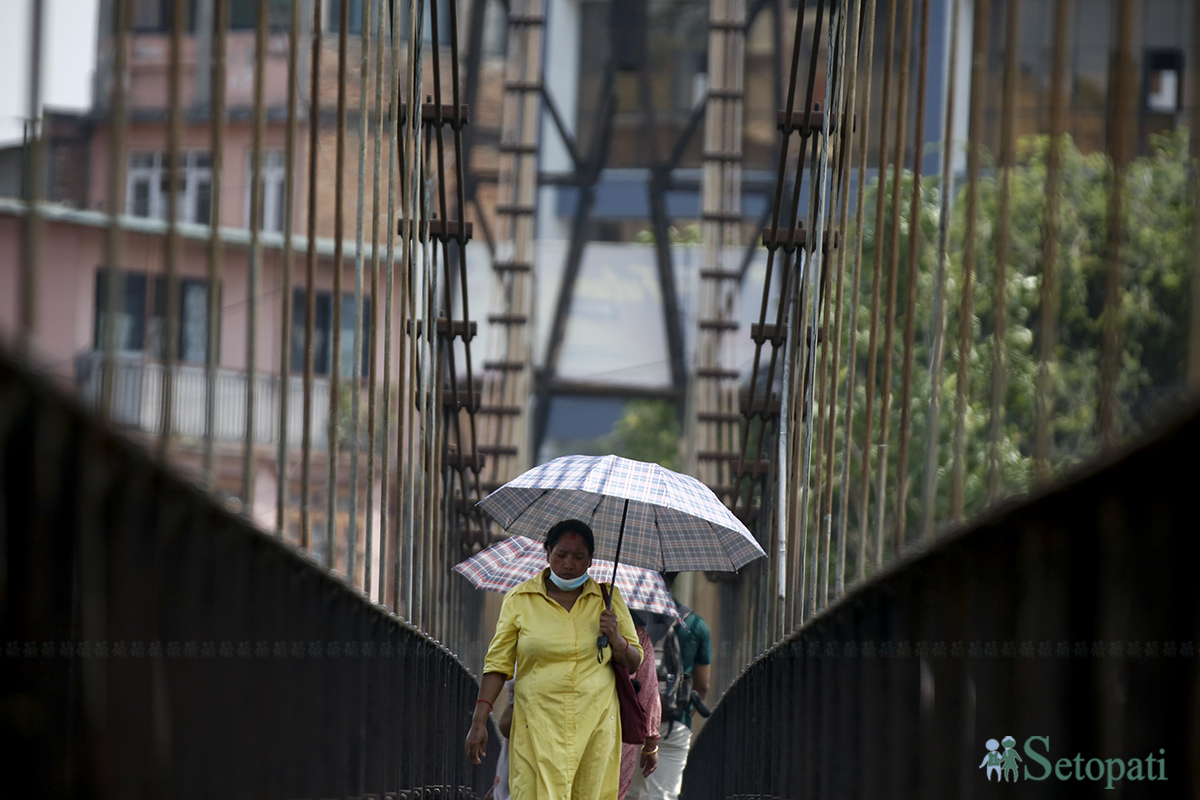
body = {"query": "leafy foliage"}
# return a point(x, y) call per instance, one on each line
point(1154, 317)
point(1154, 313)
point(647, 431)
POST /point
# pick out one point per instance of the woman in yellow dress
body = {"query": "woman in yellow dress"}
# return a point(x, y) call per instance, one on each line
point(566, 727)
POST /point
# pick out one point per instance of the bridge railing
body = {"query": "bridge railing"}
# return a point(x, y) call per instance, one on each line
point(1072, 618)
point(154, 644)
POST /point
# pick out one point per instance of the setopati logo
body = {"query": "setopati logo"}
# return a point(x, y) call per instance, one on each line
point(1038, 764)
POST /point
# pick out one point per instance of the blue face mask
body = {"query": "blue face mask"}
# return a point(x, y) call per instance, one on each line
point(566, 585)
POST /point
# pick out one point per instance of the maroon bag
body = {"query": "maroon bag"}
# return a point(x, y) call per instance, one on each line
point(634, 723)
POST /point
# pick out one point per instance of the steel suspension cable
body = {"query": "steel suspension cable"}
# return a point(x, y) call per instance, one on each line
point(33, 190)
point(310, 284)
point(113, 239)
point(893, 279)
point(389, 535)
point(1122, 113)
point(282, 488)
point(806, 333)
point(460, 161)
point(451, 368)
point(253, 276)
point(171, 244)
point(781, 172)
point(914, 275)
point(966, 315)
point(1193, 353)
point(856, 294)
point(1008, 157)
point(876, 284)
point(820, 378)
point(376, 307)
point(216, 250)
point(412, 212)
point(1050, 232)
point(839, 130)
point(791, 283)
point(431, 385)
point(937, 323)
point(364, 72)
point(334, 448)
point(844, 166)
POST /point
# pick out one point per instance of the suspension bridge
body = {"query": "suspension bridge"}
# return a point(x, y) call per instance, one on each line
point(915, 282)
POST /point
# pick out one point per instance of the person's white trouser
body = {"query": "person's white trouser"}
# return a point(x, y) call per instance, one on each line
point(665, 782)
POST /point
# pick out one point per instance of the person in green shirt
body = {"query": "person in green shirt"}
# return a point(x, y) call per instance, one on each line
point(675, 733)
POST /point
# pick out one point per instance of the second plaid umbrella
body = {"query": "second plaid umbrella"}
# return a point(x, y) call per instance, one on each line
point(518, 558)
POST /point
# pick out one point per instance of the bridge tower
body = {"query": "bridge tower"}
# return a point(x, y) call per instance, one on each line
point(504, 438)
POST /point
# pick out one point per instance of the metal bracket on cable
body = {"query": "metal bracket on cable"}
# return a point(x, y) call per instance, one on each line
point(430, 114)
point(816, 121)
point(462, 399)
point(778, 239)
point(446, 230)
point(449, 329)
point(463, 461)
point(761, 407)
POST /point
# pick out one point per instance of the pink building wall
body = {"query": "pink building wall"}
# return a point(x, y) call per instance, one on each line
point(235, 176)
point(149, 70)
point(65, 289)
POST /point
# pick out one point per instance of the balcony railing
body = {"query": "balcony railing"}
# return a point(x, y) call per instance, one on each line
point(137, 400)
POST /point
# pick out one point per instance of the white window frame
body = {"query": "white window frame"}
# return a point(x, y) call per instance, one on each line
point(197, 172)
point(274, 173)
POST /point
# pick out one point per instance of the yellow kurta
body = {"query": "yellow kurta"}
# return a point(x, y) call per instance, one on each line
point(566, 728)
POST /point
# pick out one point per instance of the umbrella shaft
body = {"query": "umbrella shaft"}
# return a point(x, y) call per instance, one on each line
point(620, 539)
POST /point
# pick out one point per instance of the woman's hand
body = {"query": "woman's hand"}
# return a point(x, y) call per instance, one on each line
point(649, 761)
point(477, 742)
point(489, 690)
point(622, 649)
point(608, 626)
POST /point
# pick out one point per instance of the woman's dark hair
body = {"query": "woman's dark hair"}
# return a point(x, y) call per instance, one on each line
point(578, 526)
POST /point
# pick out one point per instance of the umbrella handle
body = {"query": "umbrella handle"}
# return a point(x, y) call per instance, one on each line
point(602, 642)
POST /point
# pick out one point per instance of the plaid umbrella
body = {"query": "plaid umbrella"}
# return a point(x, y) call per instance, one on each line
point(519, 558)
point(642, 514)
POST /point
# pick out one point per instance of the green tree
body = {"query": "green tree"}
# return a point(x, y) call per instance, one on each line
point(648, 430)
point(1153, 316)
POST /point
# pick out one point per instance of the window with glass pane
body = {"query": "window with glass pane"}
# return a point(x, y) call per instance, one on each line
point(122, 317)
point(355, 14)
point(356, 18)
point(144, 176)
point(243, 14)
point(139, 321)
point(140, 203)
point(274, 173)
point(199, 197)
point(155, 16)
point(323, 333)
point(148, 185)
